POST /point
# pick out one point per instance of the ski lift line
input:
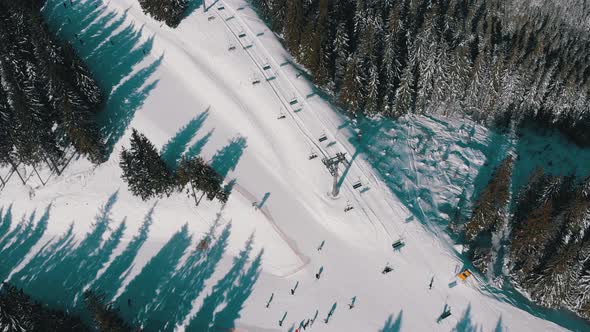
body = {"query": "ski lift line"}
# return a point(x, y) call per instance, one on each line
point(270, 58)
point(298, 119)
point(304, 103)
point(281, 98)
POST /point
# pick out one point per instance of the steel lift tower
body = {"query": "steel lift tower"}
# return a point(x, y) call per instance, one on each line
point(332, 164)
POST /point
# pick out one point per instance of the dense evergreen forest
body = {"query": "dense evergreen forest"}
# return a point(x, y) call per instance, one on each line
point(48, 99)
point(541, 242)
point(19, 312)
point(500, 62)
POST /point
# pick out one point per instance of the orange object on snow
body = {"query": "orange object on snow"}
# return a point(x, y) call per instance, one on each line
point(464, 275)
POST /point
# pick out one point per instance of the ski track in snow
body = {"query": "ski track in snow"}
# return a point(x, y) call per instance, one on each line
point(198, 72)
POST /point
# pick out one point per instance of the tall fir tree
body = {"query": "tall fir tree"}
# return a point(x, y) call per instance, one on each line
point(144, 171)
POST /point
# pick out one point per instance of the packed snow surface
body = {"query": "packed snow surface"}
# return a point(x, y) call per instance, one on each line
point(192, 90)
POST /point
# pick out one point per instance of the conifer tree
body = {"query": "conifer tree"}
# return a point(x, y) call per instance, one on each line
point(294, 25)
point(169, 11)
point(144, 170)
point(105, 318)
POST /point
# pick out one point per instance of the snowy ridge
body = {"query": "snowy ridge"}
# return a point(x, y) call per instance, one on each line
point(268, 157)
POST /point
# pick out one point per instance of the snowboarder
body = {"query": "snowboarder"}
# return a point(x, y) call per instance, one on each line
point(431, 282)
point(319, 274)
point(330, 313)
point(294, 288)
point(352, 302)
point(387, 269)
point(321, 245)
point(283, 319)
point(270, 300)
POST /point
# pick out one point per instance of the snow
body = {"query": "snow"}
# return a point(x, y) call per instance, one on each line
point(199, 76)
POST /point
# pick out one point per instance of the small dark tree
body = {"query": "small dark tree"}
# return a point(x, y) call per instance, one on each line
point(144, 170)
point(169, 11)
point(105, 318)
point(202, 177)
point(18, 312)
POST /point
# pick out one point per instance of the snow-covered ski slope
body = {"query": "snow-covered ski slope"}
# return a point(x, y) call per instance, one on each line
point(191, 91)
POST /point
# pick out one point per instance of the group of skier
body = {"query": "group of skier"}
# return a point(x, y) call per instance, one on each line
point(308, 322)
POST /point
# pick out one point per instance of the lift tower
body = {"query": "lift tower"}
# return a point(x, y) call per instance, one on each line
point(332, 164)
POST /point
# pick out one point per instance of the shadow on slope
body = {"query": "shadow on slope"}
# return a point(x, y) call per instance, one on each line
point(177, 145)
point(112, 278)
point(116, 54)
point(135, 301)
point(175, 299)
point(226, 159)
point(233, 290)
point(393, 325)
point(70, 265)
point(5, 221)
point(15, 246)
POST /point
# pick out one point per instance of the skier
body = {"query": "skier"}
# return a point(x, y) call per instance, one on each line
point(387, 269)
point(319, 274)
point(270, 300)
point(283, 319)
point(321, 245)
point(294, 288)
point(353, 301)
point(446, 313)
point(314, 317)
point(327, 320)
point(431, 282)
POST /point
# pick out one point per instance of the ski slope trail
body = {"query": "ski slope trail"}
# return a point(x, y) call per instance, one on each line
point(204, 101)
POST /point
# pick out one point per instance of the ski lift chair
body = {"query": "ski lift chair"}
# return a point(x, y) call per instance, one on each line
point(397, 245)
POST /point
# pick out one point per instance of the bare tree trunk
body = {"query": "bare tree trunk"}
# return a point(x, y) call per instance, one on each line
point(203, 194)
point(17, 172)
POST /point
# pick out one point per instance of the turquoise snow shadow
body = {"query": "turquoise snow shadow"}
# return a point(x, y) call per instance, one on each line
point(232, 290)
point(174, 301)
point(465, 324)
point(113, 50)
point(173, 150)
point(16, 245)
point(192, 7)
point(5, 220)
point(69, 265)
point(136, 300)
point(226, 159)
point(393, 325)
point(111, 280)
